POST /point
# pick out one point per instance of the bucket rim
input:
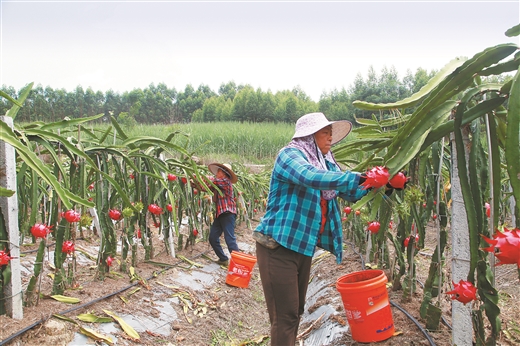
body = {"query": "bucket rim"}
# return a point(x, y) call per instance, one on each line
point(243, 256)
point(378, 279)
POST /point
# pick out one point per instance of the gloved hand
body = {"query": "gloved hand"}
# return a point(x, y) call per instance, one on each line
point(362, 178)
point(398, 182)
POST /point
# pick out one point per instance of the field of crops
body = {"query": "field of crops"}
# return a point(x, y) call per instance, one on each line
point(255, 143)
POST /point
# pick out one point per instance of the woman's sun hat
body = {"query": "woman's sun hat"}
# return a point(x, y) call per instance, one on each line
point(313, 122)
point(214, 167)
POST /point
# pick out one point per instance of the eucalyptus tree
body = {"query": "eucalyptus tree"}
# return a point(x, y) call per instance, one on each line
point(246, 105)
point(228, 90)
point(267, 106)
point(209, 110)
point(190, 100)
point(335, 105)
point(93, 102)
point(113, 104)
point(79, 94)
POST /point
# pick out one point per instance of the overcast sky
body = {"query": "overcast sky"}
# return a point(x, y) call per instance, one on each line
point(276, 45)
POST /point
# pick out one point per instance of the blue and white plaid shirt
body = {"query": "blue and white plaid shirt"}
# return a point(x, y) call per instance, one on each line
point(293, 215)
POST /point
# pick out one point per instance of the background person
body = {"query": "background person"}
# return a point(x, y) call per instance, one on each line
point(302, 213)
point(226, 211)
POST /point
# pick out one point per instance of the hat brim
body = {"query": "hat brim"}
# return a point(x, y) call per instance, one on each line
point(214, 167)
point(340, 130)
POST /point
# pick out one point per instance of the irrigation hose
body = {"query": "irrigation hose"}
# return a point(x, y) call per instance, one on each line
point(424, 331)
point(43, 320)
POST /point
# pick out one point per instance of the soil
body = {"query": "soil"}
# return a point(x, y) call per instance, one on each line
point(220, 314)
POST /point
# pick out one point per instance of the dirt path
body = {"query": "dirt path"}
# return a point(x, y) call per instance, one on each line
point(184, 304)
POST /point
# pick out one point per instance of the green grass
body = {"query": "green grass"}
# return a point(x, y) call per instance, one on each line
point(243, 143)
point(252, 143)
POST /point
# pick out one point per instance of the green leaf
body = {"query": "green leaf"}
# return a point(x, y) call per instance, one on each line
point(507, 66)
point(412, 100)
point(514, 31)
point(21, 99)
point(69, 122)
point(513, 142)
point(410, 145)
point(469, 115)
point(91, 318)
point(144, 142)
point(30, 158)
point(65, 318)
point(9, 98)
point(6, 192)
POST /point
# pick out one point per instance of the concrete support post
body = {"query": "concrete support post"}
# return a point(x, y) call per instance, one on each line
point(9, 209)
point(462, 331)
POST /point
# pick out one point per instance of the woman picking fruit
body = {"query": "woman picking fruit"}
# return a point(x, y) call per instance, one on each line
point(302, 213)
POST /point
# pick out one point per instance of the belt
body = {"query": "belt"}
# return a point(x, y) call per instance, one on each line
point(265, 240)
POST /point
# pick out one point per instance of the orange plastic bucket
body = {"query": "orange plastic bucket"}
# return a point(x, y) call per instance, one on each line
point(240, 269)
point(366, 304)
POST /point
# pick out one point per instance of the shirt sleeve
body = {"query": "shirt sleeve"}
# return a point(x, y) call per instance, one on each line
point(293, 167)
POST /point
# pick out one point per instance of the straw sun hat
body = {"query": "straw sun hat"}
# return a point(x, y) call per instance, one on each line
point(313, 122)
point(214, 167)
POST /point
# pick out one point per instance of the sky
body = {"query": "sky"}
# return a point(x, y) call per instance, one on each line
point(271, 45)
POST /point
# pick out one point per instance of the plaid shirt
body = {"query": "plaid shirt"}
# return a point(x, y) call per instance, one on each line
point(293, 215)
point(226, 202)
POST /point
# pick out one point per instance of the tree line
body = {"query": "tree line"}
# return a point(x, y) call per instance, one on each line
point(158, 104)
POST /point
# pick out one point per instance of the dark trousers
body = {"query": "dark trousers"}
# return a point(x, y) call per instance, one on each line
point(285, 278)
point(224, 223)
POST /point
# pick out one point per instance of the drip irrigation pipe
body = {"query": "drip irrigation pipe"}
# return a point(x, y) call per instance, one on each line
point(46, 246)
point(423, 331)
point(43, 320)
